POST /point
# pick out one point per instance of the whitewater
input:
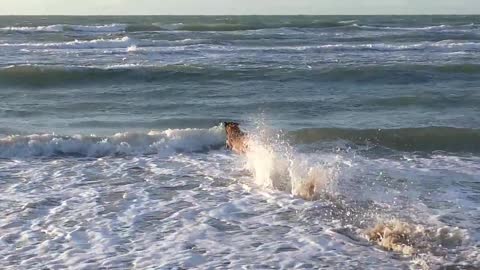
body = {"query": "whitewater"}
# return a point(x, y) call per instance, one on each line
point(363, 134)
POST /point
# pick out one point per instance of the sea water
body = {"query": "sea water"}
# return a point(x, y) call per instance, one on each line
point(364, 148)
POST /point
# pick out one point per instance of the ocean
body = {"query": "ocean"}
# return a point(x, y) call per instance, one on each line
point(112, 147)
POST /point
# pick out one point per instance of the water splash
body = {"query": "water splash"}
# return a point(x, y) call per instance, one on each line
point(275, 164)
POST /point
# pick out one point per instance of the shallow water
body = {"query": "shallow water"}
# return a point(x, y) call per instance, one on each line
point(112, 155)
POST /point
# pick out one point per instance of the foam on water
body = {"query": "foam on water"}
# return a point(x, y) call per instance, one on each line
point(132, 48)
point(443, 45)
point(76, 44)
point(189, 44)
point(153, 142)
point(275, 165)
point(114, 27)
point(410, 239)
point(48, 28)
point(204, 210)
point(67, 27)
point(431, 27)
point(376, 186)
point(426, 245)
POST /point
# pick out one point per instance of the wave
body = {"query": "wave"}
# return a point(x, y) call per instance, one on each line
point(209, 45)
point(67, 28)
point(426, 139)
point(43, 76)
point(439, 27)
point(76, 44)
point(178, 26)
point(194, 27)
point(96, 28)
point(428, 45)
point(28, 29)
point(251, 26)
point(154, 142)
point(432, 27)
point(443, 45)
point(239, 24)
point(172, 123)
point(298, 23)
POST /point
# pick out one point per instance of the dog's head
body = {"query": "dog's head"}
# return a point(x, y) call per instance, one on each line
point(232, 128)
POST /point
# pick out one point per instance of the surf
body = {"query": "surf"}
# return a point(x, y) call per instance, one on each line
point(106, 28)
point(166, 142)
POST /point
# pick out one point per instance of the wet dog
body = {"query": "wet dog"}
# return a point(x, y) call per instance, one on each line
point(236, 138)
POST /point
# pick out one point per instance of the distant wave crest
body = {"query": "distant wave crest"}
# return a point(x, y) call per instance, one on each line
point(66, 27)
point(225, 26)
point(75, 44)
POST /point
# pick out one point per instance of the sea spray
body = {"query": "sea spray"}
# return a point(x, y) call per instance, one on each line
point(275, 164)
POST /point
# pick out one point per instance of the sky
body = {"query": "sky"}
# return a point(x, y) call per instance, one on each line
point(236, 7)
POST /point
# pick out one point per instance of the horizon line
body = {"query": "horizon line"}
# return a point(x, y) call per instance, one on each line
point(206, 15)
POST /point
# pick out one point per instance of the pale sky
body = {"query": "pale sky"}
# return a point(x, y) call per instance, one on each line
point(231, 7)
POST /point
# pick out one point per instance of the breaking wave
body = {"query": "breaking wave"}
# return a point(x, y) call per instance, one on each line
point(241, 24)
point(154, 142)
point(443, 45)
point(252, 26)
point(228, 26)
point(448, 45)
point(75, 44)
point(67, 27)
point(47, 28)
point(431, 27)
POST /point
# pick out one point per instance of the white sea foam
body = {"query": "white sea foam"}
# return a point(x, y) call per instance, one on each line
point(409, 238)
point(348, 22)
point(440, 45)
point(48, 28)
point(76, 44)
point(431, 27)
point(195, 45)
point(194, 209)
point(97, 28)
point(446, 45)
point(153, 142)
point(132, 48)
point(67, 27)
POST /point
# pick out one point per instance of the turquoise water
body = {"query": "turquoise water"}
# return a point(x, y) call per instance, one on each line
point(111, 150)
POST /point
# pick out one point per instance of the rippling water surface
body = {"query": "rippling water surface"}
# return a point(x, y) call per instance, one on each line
point(112, 152)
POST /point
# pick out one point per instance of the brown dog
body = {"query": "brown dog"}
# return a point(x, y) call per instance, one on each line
point(236, 139)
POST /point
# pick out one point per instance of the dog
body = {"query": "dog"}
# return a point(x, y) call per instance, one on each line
point(236, 138)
